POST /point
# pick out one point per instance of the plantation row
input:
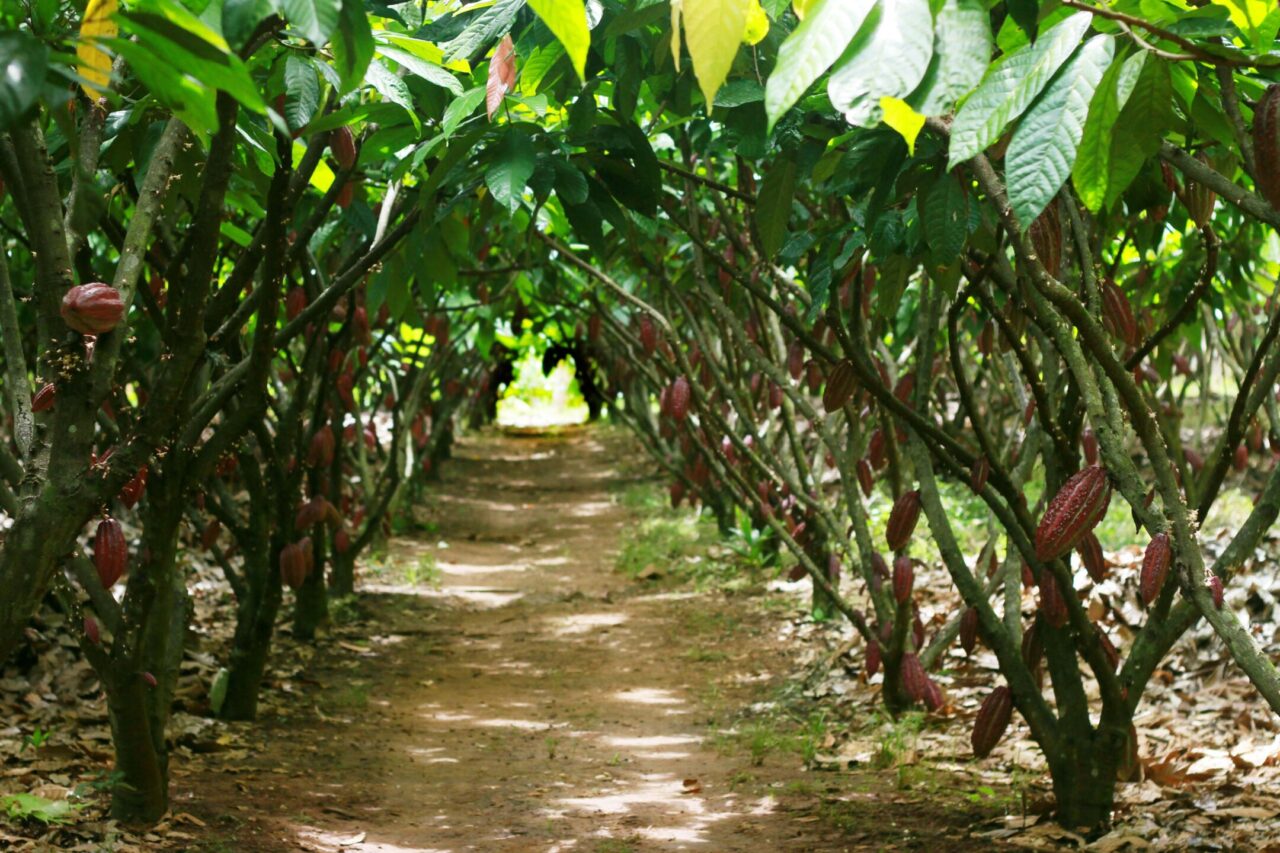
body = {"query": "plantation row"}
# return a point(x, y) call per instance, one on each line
point(244, 309)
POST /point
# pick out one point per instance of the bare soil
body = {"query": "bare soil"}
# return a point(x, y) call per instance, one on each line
point(537, 699)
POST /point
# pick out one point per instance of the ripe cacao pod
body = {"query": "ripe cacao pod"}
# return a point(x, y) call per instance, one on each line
point(342, 541)
point(648, 334)
point(1032, 646)
point(876, 453)
point(293, 565)
point(1095, 563)
point(678, 398)
point(913, 677)
point(969, 630)
point(320, 452)
point(1074, 511)
point(795, 360)
point(110, 552)
point(902, 520)
point(1052, 604)
point(813, 376)
point(1089, 442)
point(1241, 458)
point(1215, 590)
point(44, 398)
point(992, 721)
point(132, 491)
point(904, 579)
point(866, 479)
point(878, 565)
point(1195, 460)
point(343, 145)
point(981, 471)
point(91, 630)
point(1046, 239)
point(294, 302)
point(932, 698)
point(92, 309)
point(1155, 567)
point(873, 658)
point(840, 386)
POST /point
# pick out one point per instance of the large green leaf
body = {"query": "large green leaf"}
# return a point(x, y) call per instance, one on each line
point(1011, 87)
point(944, 213)
point(488, 25)
point(809, 51)
point(460, 108)
point(773, 204)
point(1043, 148)
point(961, 53)
point(713, 30)
point(889, 61)
point(1093, 159)
point(241, 17)
point(1140, 127)
point(24, 61)
point(314, 19)
point(392, 88)
point(423, 68)
point(302, 91)
point(507, 177)
point(353, 46)
point(567, 19)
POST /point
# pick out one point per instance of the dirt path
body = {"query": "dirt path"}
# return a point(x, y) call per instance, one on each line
point(535, 700)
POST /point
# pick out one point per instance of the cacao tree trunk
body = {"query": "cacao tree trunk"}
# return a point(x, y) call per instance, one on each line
point(1084, 780)
point(311, 607)
point(255, 625)
point(141, 793)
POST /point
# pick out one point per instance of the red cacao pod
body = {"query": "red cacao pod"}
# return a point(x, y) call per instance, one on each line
point(876, 453)
point(840, 386)
point(1095, 563)
point(878, 565)
point(132, 491)
point(1052, 604)
point(1089, 442)
point(91, 630)
point(904, 578)
point(343, 145)
point(1155, 567)
point(969, 630)
point(902, 520)
point(913, 677)
point(342, 541)
point(44, 398)
point(293, 565)
point(320, 452)
point(1195, 460)
point(110, 552)
point(294, 302)
point(1046, 238)
point(795, 360)
point(1266, 145)
point(873, 658)
point(1215, 590)
point(1117, 314)
point(648, 334)
point(1032, 646)
point(866, 479)
point(932, 698)
point(93, 309)
point(1241, 458)
point(678, 398)
point(1074, 511)
point(992, 721)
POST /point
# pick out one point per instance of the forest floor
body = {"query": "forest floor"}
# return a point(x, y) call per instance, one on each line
point(535, 698)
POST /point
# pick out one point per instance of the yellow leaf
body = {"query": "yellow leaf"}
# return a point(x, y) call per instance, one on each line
point(713, 29)
point(801, 7)
point(675, 33)
point(899, 116)
point(95, 63)
point(757, 24)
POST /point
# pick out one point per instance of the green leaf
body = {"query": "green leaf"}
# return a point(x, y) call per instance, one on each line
point(24, 60)
point(302, 91)
point(393, 89)
point(773, 204)
point(567, 20)
point(488, 25)
point(241, 17)
point(188, 99)
point(353, 48)
point(432, 73)
point(314, 19)
point(460, 108)
point(944, 214)
point(1043, 149)
point(899, 116)
point(961, 53)
point(1011, 87)
point(735, 93)
point(812, 47)
point(1026, 14)
point(713, 30)
point(537, 65)
point(1137, 133)
point(890, 61)
point(507, 177)
point(1093, 159)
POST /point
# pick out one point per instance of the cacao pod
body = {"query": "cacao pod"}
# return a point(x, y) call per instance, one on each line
point(209, 537)
point(92, 309)
point(1199, 198)
point(1266, 145)
point(343, 145)
point(1052, 604)
point(932, 698)
point(902, 520)
point(1032, 646)
point(648, 334)
point(44, 399)
point(876, 453)
point(904, 579)
point(110, 552)
point(992, 721)
point(873, 658)
point(1089, 441)
point(969, 630)
point(913, 677)
point(1074, 511)
point(1195, 460)
point(866, 479)
point(1095, 563)
point(294, 302)
point(320, 452)
point(1241, 458)
point(1215, 590)
point(1155, 567)
point(132, 491)
point(293, 565)
point(1117, 314)
point(878, 565)
point(1046, 238)
point(795, 360)
point(342, 541)
point(840, 386)
point(91, 630)
point(678, 398)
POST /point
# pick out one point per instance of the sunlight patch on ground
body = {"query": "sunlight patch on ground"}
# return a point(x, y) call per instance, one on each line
point(652, 741)
point(478, 596)
point(648, 696)
point(326, 841)
point(584, 623)
point(467, 569)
